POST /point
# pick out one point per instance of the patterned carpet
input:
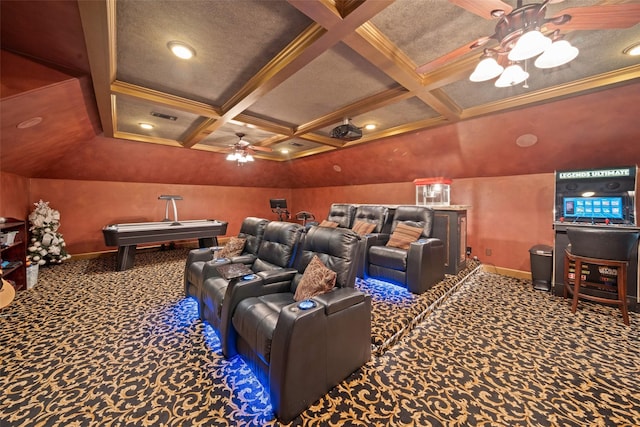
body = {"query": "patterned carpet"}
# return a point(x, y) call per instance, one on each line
point(89, 346)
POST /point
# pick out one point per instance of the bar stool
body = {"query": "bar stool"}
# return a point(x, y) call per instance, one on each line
point(608, 248)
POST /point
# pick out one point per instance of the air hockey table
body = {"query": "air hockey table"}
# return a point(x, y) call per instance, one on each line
point(127, 236)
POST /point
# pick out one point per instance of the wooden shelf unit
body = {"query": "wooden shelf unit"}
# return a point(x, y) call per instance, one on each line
point(15, 253)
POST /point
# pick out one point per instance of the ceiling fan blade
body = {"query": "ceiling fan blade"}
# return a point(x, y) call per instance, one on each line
point(455, 54)
point(483, 8)
point(260, 148)
point(600, 17)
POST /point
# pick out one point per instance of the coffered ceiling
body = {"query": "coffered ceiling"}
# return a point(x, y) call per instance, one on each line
point(286, 72)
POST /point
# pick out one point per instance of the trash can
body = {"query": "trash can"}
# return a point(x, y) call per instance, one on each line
point(541, 266)
point(32, 275)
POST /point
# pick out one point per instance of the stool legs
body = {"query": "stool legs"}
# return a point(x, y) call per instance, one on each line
point(622, 293)
point(620, 266)
point(577, 281)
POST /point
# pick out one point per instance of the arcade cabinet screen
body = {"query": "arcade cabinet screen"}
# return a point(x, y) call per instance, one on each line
point(593, 207)
point(278, 203)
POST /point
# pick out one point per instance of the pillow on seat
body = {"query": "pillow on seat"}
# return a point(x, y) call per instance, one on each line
point(330, 224)
point(234, 247)
point(363, 227)
point(403, 235)
point(316, 279)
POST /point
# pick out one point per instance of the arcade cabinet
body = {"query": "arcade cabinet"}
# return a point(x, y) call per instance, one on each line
point(595, 198)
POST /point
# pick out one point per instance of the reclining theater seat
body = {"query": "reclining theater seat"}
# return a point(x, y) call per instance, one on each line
point(301, 349)
point(369, 221)
point(342, 214)
point(275, 253)
point(418, 267)
point(251, 229)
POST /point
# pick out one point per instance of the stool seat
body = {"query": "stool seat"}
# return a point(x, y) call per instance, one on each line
point(599, 247)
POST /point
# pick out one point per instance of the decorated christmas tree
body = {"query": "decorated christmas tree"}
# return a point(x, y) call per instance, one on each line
point(47, 245)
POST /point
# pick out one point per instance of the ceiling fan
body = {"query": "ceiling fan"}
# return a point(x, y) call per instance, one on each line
point(511, 22)
point(242, 151)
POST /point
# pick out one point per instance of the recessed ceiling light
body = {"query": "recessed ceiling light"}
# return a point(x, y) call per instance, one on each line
point(526, 140)
point(370, 126)
point(29, 123)
point(146, 125)
point(181, 50)
point(633, 50)
point(284, 151)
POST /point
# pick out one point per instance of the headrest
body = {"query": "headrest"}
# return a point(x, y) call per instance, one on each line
point(253, 226)
point(337, 248)
point(415, 216)
point(342, 213)
point(373, 214)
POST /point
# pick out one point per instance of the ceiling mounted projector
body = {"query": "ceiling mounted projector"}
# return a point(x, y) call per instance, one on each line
point(346, 131)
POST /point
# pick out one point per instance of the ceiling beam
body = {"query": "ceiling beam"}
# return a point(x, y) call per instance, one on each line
point(99, 27)
point(371, 103)
point(314, 41)
point(177, 102)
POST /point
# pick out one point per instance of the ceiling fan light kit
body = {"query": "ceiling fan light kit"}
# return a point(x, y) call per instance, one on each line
point(559, 53)
point(241, 151)
point(511, 76)
point(520, 39)
point(487, 69)
point(530, 44)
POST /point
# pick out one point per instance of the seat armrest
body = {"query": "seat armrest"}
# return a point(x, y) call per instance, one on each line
point(425, 264)
point(236, 292)
point(376, 239)
point(203, 254)
point(311, 351)
point(368, 240)
point(280, 275)
point(246, 259)
point(339, 299)
point(425, 243)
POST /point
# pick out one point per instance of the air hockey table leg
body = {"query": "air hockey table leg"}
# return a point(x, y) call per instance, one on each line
point(126, 257)
point(207, 242)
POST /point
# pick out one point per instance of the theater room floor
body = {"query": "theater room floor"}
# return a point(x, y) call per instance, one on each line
point(92, 346)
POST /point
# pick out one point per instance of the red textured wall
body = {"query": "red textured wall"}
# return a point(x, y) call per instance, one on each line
point(87, 206)
point(507, 216)
point(14, 196)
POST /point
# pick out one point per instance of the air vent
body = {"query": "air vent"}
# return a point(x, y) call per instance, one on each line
point(164, 116)
point(295, 144)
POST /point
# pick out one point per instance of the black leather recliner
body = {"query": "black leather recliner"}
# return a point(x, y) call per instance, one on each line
point(252, 229)
point(276, 252)
point(379, 217)
point(418, 268)
point(300, 353)
point(373, 214)
point(342, 213)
